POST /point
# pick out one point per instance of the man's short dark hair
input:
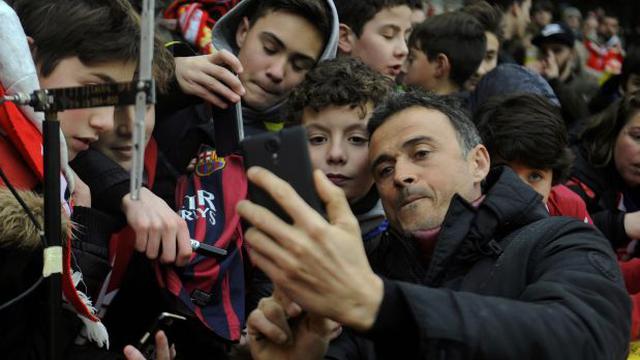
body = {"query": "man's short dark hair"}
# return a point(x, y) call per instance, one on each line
point(457, 35)
point(96, 31)
point(356, 13)
point(527, 129)
point(316, 12)
point(504, 4)
point(542, 5)
point(489, 16)
point(344, 81)
point(450, 106)
point(415, 4)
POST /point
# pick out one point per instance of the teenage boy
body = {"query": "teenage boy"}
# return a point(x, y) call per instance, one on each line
point(271, 45)
point(376, 32)
point(69, 41)
point(526, 132)
point(334, 103)
point(73, 56)
point(490, 17)
point(445, 51)
point(541, 14)
point(514, 24)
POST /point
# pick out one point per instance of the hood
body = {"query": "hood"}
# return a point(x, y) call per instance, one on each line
point(16, 229)
point(224, 31)
point(223, 37)
point(509, 79)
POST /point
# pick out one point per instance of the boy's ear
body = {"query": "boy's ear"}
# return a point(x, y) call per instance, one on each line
point(32, 45)
point(346, 39)
point(242, 31)
point(443, 66)
point(33, 48)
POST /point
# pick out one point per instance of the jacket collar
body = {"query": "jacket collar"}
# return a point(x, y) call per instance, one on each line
point(469, 233)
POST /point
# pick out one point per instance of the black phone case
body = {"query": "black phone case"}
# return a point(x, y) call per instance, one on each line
point(285, 154)
point(227, 128)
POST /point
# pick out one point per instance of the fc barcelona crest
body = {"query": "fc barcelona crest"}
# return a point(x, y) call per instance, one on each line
point(208, 162)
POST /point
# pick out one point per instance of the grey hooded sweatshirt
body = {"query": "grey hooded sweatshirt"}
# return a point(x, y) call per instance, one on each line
point(224, 33)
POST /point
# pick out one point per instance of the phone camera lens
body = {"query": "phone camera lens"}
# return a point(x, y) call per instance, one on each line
point(272, 145)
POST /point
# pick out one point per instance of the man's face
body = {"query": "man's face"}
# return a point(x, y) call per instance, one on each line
point(633, 84)
point(383, 42)
point(418, 165)
point(626, 152)
point(522, 16)
point(276, 52)
point(338, 145)
point(542, 17)
point(540, 180)
point(573, 21)
point(562, 53)
point(117, 143)
point(610, 26)
point(489, 62)
point(420, 71)
point(590, 25)
point(82, 127)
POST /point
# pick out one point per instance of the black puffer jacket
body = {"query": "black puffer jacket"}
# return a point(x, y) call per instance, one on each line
point(504, 282)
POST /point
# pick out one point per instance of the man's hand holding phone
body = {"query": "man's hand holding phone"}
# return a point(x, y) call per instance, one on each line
point(318, 263)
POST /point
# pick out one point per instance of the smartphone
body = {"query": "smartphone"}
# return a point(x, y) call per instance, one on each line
point(228, 128)
point(285, 154)
point(164, 321)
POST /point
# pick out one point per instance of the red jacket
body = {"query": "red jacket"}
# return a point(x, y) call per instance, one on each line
point(564, 202)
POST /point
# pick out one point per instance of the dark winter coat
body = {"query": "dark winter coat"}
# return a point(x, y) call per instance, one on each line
point(505, 281)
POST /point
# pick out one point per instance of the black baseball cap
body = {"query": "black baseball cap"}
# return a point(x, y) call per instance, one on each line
point(555, 33)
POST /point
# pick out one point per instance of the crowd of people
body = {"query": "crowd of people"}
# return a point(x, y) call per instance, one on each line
point(479, 171)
